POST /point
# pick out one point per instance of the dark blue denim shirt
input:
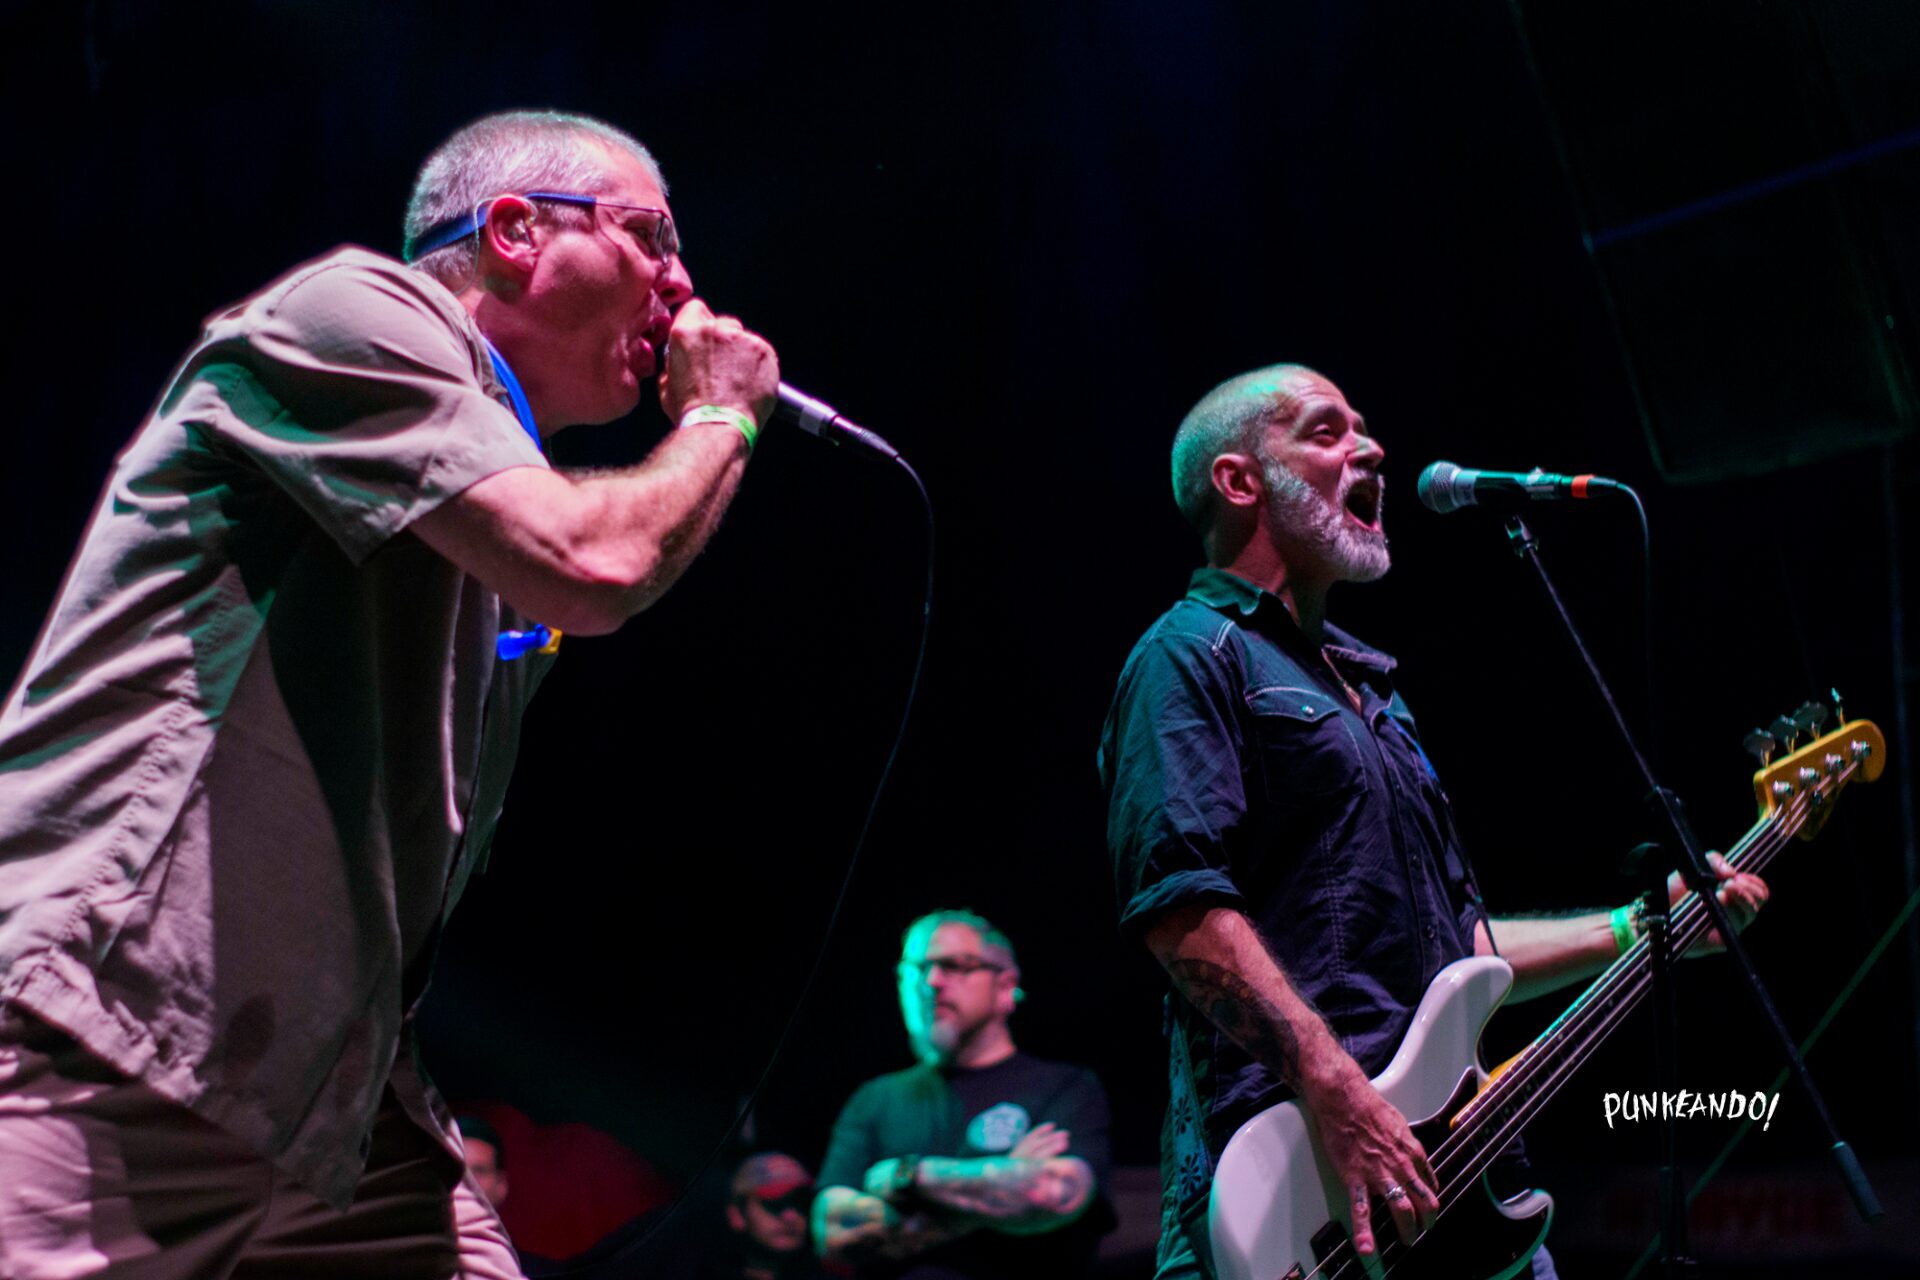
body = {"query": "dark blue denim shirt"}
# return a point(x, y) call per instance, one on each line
point(1238, 771)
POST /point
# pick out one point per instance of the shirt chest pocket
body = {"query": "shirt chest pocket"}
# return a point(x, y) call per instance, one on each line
point(1305, 747)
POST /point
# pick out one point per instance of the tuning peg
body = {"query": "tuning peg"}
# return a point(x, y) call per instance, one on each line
point(1809, 717)
point(1785, 732)
point(1759, 744)
point(1839, 711)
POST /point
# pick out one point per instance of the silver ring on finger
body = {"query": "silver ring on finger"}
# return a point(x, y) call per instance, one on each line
point(1394, 1193)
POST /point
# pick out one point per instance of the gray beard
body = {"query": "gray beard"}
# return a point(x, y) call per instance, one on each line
point(943, 1039)
point(1353, 553)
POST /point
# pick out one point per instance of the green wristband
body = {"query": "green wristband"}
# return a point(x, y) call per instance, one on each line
point(720, 413)
point(1622, 922)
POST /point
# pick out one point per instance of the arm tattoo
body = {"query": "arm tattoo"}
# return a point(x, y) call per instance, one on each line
point(856, 1226)
point(916, 1233)
point(1232, 1004)
point(995, 1187)
point(1008, 1191)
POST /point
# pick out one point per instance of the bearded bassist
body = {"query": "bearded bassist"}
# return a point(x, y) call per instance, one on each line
point(1281, 842)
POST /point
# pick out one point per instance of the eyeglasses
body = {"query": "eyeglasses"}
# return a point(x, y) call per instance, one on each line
point(947, 966)
point(800, 1198)
point(659, 238)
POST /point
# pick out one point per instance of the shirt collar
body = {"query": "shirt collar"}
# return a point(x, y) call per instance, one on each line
point(1219, 589)
point(1344, 647)
point(1225, 591)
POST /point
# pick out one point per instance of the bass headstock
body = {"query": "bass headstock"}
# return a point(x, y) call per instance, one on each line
point(1855, 752)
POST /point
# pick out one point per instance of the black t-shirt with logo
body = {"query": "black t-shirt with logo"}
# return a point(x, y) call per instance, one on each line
point(949, 1111)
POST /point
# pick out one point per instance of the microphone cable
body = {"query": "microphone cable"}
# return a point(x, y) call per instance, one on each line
point(631, 1248)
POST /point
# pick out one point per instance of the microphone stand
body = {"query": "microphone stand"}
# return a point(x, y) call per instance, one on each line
point(1648, 868)
point(1699, 877)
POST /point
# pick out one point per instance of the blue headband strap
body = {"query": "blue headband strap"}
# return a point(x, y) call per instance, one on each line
point(454, 230)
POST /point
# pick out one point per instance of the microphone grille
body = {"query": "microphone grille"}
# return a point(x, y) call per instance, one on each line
point(1436, 491)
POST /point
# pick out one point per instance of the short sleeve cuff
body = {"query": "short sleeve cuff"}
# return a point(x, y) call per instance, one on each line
point(1177, 889)
point(362, 389)
point(1470, 915)
point(467, 457)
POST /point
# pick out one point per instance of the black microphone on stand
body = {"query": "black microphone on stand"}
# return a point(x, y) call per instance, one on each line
point(818, 418)
point(1443, 487)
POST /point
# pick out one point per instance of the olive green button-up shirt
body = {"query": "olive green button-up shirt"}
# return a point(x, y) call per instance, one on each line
point(263, 737)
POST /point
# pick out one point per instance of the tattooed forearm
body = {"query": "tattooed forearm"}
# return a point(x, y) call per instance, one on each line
point(1257, 1024)
point(1010, 1192)
point(849, 1226)
point(950, 1198)
point(913, 1234)
point(1221, 966)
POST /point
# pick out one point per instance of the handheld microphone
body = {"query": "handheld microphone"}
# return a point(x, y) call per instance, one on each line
point(1443, 487)
point(818, 418)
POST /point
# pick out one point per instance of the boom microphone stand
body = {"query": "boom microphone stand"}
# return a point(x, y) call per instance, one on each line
point(1694, 870)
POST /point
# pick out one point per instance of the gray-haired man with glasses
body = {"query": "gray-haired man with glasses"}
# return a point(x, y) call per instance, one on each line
point(263, 739)
point(979, 1161)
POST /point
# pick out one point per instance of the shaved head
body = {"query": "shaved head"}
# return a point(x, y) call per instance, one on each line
point(1228, 420)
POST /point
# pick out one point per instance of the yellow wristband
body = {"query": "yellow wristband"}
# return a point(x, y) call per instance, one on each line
point(719, 413)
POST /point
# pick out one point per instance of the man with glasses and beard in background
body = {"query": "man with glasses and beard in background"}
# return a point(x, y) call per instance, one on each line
point(981, 1161)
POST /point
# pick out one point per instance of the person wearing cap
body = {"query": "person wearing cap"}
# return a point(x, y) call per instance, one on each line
point(262, 741)
point(980, 1160)
point(486, 1157)
point(766, 1217)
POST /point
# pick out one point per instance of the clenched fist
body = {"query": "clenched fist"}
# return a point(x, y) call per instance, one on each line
point(717, 360)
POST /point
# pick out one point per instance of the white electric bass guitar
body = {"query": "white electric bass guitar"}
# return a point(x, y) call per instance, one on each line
point(1277, 1211)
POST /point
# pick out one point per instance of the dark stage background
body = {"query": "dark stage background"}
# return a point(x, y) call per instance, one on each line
point(1020, 240)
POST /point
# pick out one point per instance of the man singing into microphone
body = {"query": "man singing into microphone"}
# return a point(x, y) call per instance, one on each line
point(262, 741)
point(1281, 842)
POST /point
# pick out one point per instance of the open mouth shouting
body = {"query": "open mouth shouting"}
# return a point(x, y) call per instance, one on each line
point(1362, 502)
point(653, 341)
